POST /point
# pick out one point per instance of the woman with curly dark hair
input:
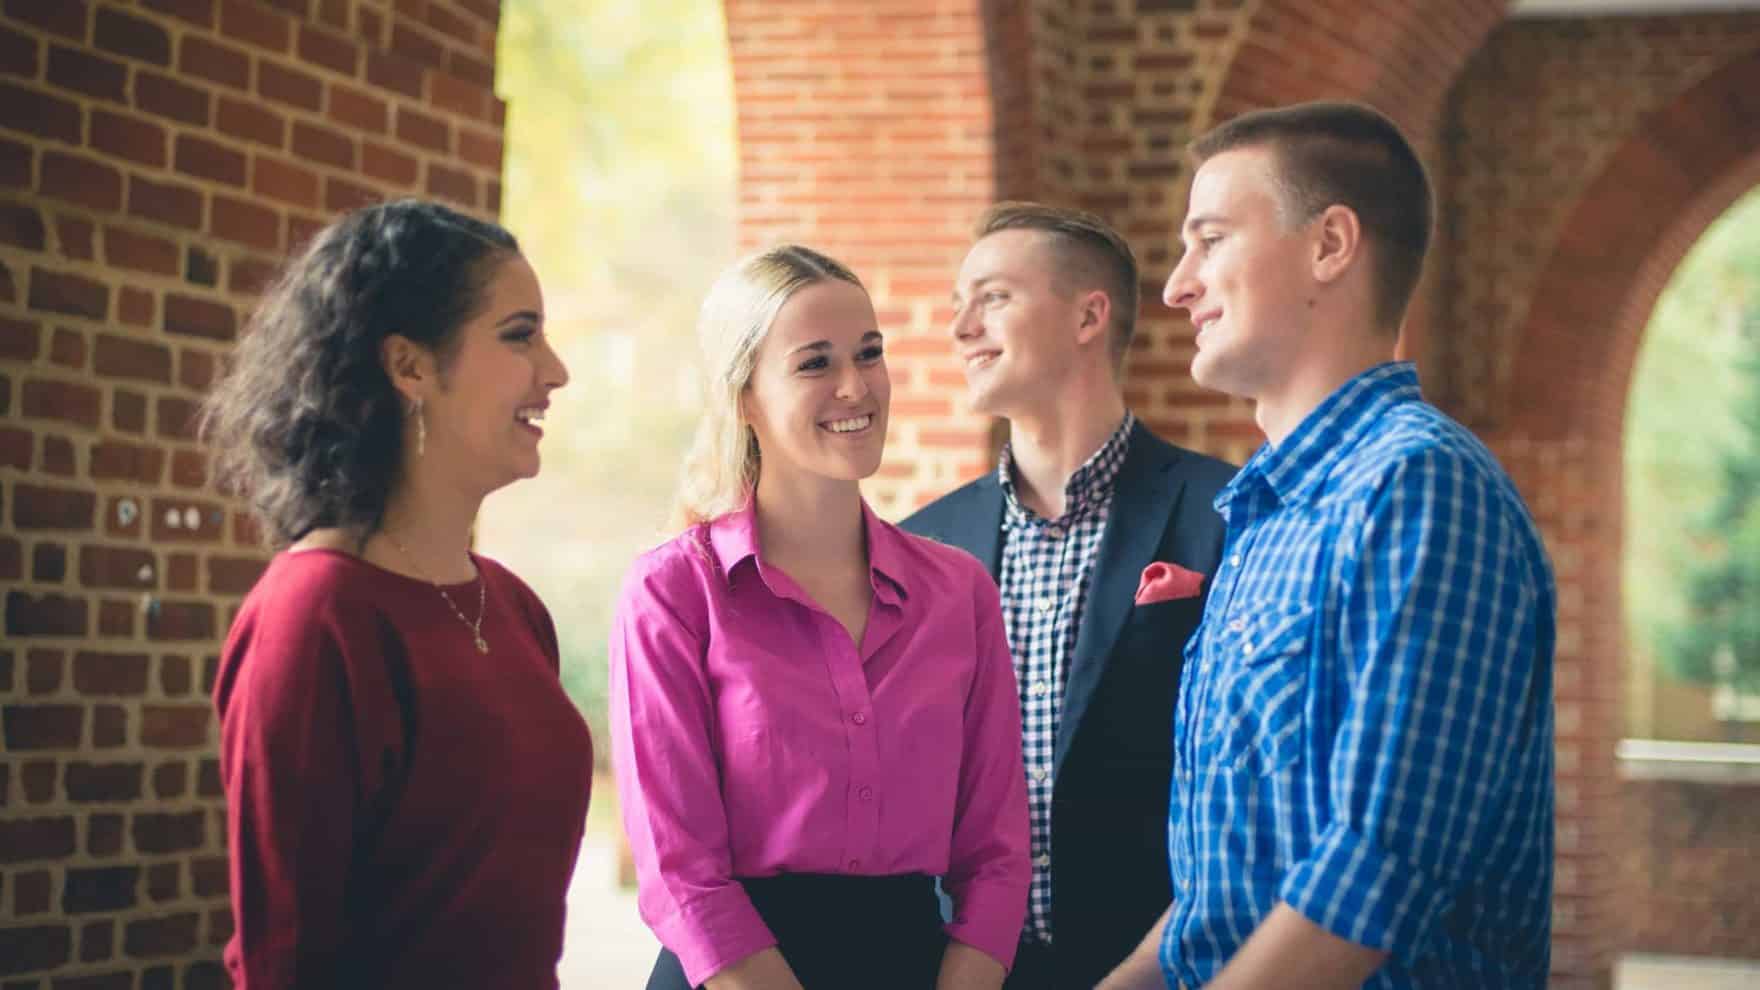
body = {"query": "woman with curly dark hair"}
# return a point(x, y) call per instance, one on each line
point(406, 781)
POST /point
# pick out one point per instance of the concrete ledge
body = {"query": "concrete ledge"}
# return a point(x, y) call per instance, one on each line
point(1625, 8)
point(1643, 971)
point(1659, 759)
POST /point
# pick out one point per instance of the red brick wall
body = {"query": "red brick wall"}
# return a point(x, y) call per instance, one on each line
point(156, 158)
point(881, 152)
point(1010, 63)
point(1687, 851)
point(1536, 118)
point(1142, 79)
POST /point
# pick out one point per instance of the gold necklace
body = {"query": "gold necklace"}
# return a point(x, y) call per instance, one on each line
point(476, 627)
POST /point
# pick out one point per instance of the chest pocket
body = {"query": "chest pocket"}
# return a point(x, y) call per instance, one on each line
point(1260, 690)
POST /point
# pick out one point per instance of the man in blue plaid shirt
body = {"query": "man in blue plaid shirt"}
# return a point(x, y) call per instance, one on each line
point(1363, 779)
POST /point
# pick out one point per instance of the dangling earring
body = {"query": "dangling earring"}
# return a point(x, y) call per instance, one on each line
point(421, 428)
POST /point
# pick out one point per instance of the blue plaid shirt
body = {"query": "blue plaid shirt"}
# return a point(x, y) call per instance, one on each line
point(1364, 729)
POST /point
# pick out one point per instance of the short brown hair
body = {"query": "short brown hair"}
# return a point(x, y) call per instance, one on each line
point(1351, 155)
point(1088, 250)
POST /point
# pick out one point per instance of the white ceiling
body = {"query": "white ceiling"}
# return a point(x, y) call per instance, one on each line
point(1614, 8)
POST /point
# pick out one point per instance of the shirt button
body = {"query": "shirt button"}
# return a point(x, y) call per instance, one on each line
point(1046, 606)
point(866, 794)
point(1040, 773)
point(1235, 560)
point(1038, 688)
point(859, 718)
point(1055, 532)
point(1247, 647)
point(1042, 860)
point(1237, 625)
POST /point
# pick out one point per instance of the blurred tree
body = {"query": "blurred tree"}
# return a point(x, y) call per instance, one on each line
point(619, 183)
point(1692, 529)
point(1718, 639)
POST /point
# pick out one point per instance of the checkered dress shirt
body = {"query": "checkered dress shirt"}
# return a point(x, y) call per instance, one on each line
point(1047, 565)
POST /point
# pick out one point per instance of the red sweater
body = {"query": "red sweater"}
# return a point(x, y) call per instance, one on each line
point(402, 810)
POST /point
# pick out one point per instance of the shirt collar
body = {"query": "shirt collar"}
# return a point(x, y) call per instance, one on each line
point(734, 539)
point(1087, 487)
point(1294, 469)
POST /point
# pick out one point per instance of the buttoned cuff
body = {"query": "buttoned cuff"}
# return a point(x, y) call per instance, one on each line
point(1365, 894)
point(714, 931)
point(988, 918)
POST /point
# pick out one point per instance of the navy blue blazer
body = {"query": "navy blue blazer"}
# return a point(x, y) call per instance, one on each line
point(1113, 760)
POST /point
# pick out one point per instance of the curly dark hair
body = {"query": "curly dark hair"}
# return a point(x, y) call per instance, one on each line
point(307, 424)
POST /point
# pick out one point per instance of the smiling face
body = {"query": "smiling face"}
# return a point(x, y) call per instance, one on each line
point(487, 395)
point(819, 391)
point(1245, 278)
point(1016, 334)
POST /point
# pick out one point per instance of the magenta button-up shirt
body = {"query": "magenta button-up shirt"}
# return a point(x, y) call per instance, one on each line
point(751, 737)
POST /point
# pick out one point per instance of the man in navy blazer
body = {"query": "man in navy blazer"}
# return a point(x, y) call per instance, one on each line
point(1100, 535)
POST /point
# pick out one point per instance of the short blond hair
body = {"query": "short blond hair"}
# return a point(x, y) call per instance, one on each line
point(1089, 254)
point(721, 469)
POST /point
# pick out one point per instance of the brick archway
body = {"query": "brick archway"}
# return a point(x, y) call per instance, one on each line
point(1403, 59)
point(1562, 434)
point(1686, 164)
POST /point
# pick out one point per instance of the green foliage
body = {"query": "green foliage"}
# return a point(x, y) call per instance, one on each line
point(619, 185)
point(619, 132)
point(1693, 464)
point(1718, 641)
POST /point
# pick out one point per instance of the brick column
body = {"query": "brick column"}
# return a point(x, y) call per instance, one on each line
point(156, 159)
point(866, 131)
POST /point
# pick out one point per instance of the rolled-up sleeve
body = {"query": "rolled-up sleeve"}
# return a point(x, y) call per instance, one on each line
point(667, 776)
point(989, 869)
point(1444, 750)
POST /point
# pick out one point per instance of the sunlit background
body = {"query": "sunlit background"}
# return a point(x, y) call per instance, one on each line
point(619, 183)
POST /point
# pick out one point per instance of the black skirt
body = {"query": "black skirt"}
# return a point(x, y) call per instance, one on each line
point(843, 932)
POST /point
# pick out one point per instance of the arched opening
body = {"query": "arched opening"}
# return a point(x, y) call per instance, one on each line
point(1687, 441)
point(1560, 426)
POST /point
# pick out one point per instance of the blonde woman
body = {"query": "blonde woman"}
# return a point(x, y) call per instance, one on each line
point(813, 712)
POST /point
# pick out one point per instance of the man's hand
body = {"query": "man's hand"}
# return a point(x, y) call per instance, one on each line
point(1288, 950)
point(1141, 970)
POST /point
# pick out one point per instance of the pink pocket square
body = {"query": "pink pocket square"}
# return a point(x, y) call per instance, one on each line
point(1168, 582)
